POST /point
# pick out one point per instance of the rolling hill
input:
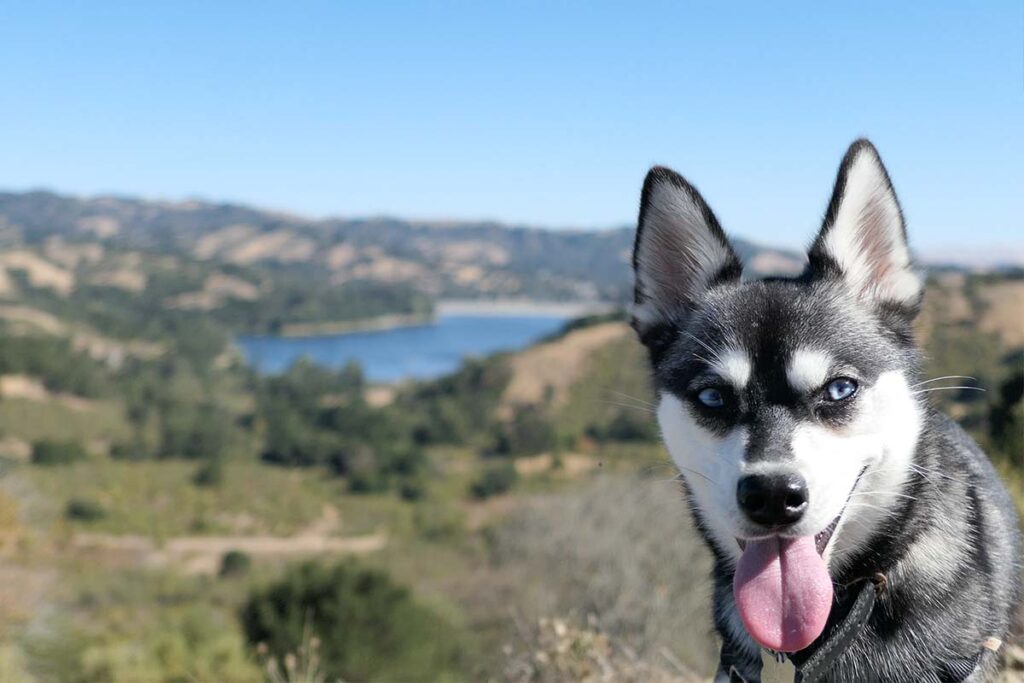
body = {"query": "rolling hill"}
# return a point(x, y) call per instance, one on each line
point(450, 260)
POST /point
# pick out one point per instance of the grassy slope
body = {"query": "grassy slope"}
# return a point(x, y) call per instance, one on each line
point(467, 558)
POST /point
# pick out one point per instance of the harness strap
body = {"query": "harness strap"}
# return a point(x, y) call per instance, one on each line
point(813, 662)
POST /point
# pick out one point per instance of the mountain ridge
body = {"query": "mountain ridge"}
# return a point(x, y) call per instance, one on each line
point(474, 259)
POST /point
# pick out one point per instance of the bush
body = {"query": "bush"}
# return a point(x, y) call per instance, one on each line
point(627, 425)
point(210, 473)
point(369, 627)
point(529, 432)
point(495, 479)
point(57, 452)
point(235, 563)
point(412, 489)
point(85, 510)
point(135, 449)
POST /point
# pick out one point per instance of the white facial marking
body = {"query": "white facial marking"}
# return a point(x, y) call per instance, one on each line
point(882, 438)
point(711, 467)
point(808, 369)
point(866, 239)
point(734, 367)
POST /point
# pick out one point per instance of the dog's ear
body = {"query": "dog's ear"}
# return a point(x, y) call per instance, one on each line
point(863, 239)
point(680, 251)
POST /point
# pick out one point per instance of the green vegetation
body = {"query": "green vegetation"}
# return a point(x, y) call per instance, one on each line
point(57, 452)
point(495, 479)
point(368, 627)
point(84, 510)
point(182, 485)
point(235, 563)
point(55, 362)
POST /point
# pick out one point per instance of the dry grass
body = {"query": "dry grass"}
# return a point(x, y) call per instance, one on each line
point(620, 555)
point(31, 389)
point(1004, 311)
point(558, 651)
point(283, 246)
point(554, 367)
point(40, 272)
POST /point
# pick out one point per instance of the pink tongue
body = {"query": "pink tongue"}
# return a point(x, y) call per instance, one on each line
point(783, 591)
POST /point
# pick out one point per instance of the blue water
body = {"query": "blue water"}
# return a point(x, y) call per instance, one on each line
point(420, 352)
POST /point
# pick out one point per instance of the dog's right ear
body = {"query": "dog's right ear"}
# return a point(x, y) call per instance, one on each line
point(679, 253)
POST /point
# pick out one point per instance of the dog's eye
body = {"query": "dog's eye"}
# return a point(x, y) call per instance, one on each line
point(712, 398)
point(840, 389)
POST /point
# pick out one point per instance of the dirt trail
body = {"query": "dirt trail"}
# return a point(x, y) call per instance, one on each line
point(203, 554)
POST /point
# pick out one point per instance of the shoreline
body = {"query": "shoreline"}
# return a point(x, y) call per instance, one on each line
point(381, 323)
point(496, 308)
point(514, 307)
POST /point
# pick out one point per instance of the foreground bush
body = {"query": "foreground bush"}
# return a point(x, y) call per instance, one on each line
point(57, 452)
point(235, 563)
point(368, 627)
point(495, 480)
point(85, 510)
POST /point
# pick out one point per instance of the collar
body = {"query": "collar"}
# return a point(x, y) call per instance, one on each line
point(854, 609)
point(848, 618)
point(856, 601)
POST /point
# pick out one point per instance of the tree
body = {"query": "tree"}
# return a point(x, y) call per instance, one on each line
point(369, 627)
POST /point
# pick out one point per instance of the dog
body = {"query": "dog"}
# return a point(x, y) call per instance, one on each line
point(857, 534)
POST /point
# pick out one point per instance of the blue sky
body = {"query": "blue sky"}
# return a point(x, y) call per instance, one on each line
point(544, 113)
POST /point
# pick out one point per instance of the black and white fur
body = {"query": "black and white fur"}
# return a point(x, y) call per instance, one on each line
point(928, 511)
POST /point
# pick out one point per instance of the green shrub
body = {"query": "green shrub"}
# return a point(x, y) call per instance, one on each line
point(626, 425)
point(496, 479)
point(412, 489)
point(57, 452)
point(437, 521)
point(210, 473)
point(369, 628)
point(235, 563)
point(85, 510)
point(135, 449)
point(530, 431)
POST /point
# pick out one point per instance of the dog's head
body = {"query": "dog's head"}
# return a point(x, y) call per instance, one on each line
point(786, 403)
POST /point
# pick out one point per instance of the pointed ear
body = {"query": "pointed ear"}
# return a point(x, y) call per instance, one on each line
point(863, 240)
point(680, 250)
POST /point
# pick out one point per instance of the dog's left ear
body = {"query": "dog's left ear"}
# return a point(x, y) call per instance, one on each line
point(863, 239)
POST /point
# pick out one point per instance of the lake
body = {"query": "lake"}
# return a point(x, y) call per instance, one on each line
point(419, 352)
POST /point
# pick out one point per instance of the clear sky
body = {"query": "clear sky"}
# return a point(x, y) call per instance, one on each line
point(546, 113)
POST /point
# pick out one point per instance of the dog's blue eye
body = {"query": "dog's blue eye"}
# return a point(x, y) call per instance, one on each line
point(840, 389)
point(712, 398)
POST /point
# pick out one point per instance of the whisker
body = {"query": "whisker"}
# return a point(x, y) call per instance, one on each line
point(714, 354)
point(657, 465)
point(938, 379)
point(888, 493)
point(699, 474)
point(925, 391)
point(643, 409)
point(867, 506)
point(632, 398)
point(700, 357)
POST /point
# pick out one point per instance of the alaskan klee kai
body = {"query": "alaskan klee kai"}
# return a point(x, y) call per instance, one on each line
point(858, 535)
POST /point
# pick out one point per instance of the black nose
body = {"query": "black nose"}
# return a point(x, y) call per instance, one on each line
point(772, 499)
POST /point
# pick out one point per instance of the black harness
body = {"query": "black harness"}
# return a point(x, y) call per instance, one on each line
point(852, 613)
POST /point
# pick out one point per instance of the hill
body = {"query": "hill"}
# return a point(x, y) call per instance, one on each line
point(449, 260)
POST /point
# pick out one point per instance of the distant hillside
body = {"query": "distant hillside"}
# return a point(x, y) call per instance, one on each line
point(461, 260)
